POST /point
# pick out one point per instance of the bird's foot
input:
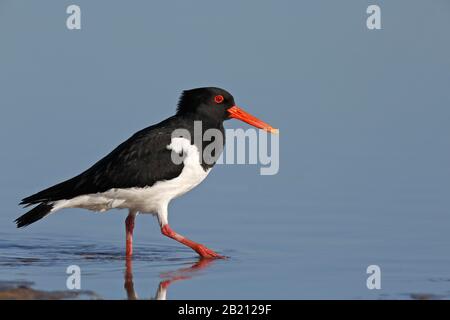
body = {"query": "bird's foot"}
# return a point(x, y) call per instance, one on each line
point(207, 253)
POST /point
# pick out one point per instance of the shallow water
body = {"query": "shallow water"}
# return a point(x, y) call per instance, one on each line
point(284, 261)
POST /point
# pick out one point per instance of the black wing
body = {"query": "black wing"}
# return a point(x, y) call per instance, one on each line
point(140, 161)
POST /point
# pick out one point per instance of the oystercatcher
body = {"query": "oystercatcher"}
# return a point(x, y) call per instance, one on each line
point(141, 175)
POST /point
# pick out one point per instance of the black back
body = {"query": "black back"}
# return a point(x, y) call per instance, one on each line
point(144, 158)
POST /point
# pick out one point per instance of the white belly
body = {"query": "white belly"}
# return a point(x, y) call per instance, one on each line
point(148, 199)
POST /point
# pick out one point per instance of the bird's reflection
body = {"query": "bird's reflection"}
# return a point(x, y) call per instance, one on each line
point(168, 278)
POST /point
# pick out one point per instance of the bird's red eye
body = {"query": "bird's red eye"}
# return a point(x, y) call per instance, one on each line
point(218, 99)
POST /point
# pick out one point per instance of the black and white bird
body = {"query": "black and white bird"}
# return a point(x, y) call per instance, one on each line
point(141, 175)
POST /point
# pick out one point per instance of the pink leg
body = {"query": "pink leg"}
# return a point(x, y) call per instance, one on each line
point(129, 227)
point(203, 251)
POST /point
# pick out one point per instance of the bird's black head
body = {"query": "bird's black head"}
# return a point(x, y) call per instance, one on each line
point(208, 102)
point(216, 104)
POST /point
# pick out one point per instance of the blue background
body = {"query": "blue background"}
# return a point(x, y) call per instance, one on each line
point(364, 144)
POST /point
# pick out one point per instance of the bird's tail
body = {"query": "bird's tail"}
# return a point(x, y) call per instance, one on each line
point(34, 214)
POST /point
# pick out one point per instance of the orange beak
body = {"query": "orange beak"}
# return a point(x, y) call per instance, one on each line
point(238, 113)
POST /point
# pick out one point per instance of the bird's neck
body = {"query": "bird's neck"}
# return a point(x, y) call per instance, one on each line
point(197, 127)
